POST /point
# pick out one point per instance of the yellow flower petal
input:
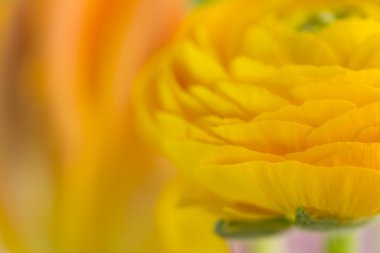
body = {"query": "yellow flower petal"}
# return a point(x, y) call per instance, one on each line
point(354, 88)
point(187, 230)
point(308, 49)
point(347, 35)
point(195, 66)
point(347, 126)
point(357, 154)
point(246, 69)
point(251, 99)
point(272, 136)
point(284, 186)
point(366, 56)
point(217, 103)
point(187, 154)
point(260, 45)
point(312, 112)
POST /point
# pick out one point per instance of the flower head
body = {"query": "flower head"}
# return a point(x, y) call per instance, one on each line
point(269, 106)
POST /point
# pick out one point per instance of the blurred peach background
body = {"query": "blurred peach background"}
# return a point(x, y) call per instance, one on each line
point(75, 176)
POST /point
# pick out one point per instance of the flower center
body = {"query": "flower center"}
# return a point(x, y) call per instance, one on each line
point(325, 36)
point(322, 19)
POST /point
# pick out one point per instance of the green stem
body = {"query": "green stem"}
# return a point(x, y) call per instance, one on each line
point(263, 246)
point(266, 245)
point(258, 245)
point(341, 243)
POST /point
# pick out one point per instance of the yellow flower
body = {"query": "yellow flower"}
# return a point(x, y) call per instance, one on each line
point(270, 106)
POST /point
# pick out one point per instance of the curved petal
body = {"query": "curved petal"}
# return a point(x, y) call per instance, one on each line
point(283, 187)
point(187, 229)
point(271, 136)
point(312, 112)
point(346, 127)
point(365, 155)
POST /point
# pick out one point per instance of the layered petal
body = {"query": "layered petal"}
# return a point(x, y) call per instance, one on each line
point(266, 184)
point(187, 229)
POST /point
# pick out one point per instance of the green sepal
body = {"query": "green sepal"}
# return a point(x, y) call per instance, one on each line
point(245, 229)
point(233, 229)
point(320, 20)
point(307, 221)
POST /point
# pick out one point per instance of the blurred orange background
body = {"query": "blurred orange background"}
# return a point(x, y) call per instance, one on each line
point(75, 175)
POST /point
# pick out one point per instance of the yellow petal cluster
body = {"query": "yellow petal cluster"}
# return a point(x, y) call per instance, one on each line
point(272, 105)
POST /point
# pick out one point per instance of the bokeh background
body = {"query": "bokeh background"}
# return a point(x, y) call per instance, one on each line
point(74, 174)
